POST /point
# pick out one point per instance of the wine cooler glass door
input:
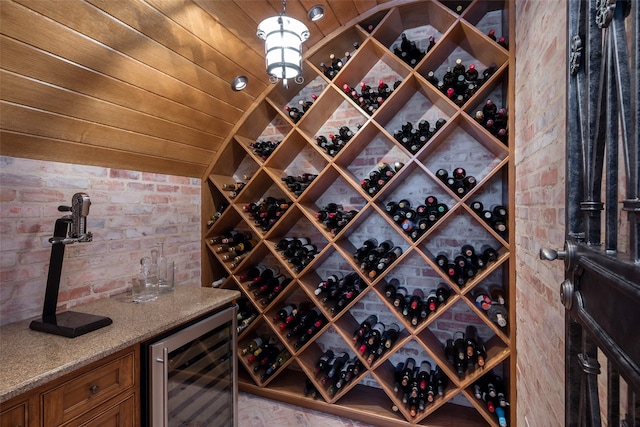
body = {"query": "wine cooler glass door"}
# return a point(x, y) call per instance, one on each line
point(193, 375)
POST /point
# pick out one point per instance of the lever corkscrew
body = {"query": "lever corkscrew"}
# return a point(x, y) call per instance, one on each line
point(77, 229)
point(68, 229)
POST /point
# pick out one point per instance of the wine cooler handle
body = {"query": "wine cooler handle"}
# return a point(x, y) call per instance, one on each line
point(165, 386)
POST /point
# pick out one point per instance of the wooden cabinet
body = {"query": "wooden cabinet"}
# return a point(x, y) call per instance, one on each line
point(89, 390)
point(15, 416)
point(459, 33)
point(105, 393)
point(117, 413)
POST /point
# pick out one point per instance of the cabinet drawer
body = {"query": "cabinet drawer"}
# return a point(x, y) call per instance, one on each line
point(14, 417)
point(88, 390)
point(120, 414)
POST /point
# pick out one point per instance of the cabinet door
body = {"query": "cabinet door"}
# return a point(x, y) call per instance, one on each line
point(89, 390)
point(120, 414)
point(14, 417)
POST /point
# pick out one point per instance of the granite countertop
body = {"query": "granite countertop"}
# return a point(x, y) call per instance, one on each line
point(31, 358)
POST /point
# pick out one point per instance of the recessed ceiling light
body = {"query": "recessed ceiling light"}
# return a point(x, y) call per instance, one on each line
point(239, 83)
point(316, 13)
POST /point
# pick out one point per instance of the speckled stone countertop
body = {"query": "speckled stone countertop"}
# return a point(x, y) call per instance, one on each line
point(29, 358)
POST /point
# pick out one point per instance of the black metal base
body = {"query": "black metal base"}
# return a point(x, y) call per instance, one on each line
point(70, 324)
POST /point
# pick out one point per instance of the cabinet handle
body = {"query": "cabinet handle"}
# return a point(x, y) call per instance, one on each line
point(94, 389)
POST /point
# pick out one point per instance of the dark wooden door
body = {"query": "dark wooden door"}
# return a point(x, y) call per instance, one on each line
point(601, 290)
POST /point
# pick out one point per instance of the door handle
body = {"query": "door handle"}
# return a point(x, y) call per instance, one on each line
point(567, 291)
point(551, 254)
point(567, 255)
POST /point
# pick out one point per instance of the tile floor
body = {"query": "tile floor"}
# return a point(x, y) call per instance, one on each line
point(255, 411)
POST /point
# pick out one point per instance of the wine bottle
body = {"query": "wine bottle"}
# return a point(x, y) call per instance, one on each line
point(294, 113)
point(337, 364)
point(498, 314)
point(317, 324)
point(442, 260)
point(399, 216)
point(441, 380)
point(268, 274)
point(264, 148)
point(245, 321)
point(404, 204)
point(279, 361)
point(323, 362)
point(266, 357)
point(414, 385)
point(407, 373)
point(375, 334)
point(236, 236)
point(385, 261)
point(346, 373)
point(303, 322)
point(252, 273)
point(459, 174)
point(432, 386)
point(416, 298)
point(471, 338)
point(460, 261)
point(364, 250)
point(442, 293)
point(347, 296)
point(397, 377)
point(489, 254)
point(431, 301)
point(460, 360)
point(448, 78)
point(489, 109)
point(480, 352)
point(401, 293)
point(497, 294)
point(390, 335)
point(390, 289)
point(284, 313)
point(252, 346)
point(458, 68)
point(454, 273)
point(481, 299)
point(424, 375)
point(310, 389)
point(500, 414)
point(365, 326)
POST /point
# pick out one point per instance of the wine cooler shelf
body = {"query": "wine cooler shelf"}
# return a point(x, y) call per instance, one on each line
point(366, 217)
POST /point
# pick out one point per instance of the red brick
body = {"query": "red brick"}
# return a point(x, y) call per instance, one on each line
point(124, 174)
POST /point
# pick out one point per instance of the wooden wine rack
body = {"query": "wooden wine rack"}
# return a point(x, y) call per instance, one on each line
point(461, 142)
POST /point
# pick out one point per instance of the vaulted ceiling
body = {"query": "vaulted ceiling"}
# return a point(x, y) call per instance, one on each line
point(139, 84)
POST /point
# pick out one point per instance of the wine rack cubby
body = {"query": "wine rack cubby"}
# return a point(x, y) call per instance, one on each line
point(445, 31)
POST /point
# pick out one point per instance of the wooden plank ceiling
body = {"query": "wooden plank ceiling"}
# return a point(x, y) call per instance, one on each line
point(137, 84)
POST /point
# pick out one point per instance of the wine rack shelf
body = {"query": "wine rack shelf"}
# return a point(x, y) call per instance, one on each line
point(445, 31)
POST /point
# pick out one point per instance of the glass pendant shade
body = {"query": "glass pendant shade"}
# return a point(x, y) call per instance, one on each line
point(283, 38)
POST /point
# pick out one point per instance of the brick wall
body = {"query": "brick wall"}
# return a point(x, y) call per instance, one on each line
point(130, 213)
point(540, 176)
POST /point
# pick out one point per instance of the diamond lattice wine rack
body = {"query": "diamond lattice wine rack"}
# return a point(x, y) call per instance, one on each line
point(334, 173)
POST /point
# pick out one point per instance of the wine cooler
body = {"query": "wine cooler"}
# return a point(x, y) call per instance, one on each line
point(190, 377)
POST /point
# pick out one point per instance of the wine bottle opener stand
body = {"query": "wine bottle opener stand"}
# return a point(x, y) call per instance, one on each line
point(68, 229)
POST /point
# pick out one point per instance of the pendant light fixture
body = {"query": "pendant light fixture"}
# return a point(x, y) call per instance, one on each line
point(283, 37)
